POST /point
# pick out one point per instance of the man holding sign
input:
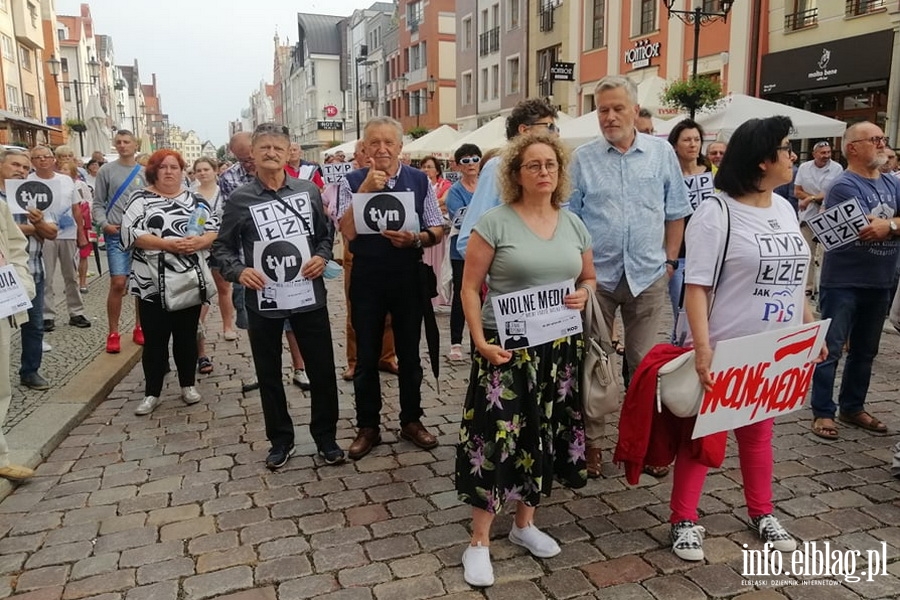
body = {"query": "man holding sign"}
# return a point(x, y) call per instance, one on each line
point(386, 276)
point(856, 283)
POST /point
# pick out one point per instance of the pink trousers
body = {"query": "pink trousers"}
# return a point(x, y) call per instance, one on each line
point(756, 459)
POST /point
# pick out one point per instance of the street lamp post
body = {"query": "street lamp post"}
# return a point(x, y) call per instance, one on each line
point(431, 87)
point(698, 17)
point(360, 60)
point(93, 70)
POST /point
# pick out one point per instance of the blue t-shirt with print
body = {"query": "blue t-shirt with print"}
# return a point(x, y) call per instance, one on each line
point(863, 264)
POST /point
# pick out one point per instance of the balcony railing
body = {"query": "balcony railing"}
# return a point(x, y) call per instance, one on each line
point(484, 45)
point(801, 20)
point(854, 8)
point(545, 16)
point(494, 36)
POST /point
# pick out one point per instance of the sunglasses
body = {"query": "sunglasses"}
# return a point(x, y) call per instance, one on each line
point(470, 160)
point(551, 127)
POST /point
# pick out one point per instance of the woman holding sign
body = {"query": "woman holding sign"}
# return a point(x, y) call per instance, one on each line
point(522, 424)
point(156, 225)
point(748, 300)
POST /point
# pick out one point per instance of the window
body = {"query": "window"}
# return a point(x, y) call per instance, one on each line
point(64, 65)
point(67, 94)
point(414, 15)
point(32, 12)
point(467, 32)
point(862, 7)
point(12, 95)
point(25, 57)
point(484, 21)
point(417, 57)
point(598, 24)
point(513, 9)
point(648, 16)
point(7, 47)
point(495, 16)
point(29, 105)
point(512, 76)
point(805, 14)
point(3, 6)
point(546, 58)
point(495, 81)
point(467, 88)
point(484, 85)
point(61, 34)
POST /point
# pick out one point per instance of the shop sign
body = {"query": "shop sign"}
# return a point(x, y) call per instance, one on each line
point(330, 125)
point(331, 111)
point(827, 64)
point(562, 71)
point(639, 56)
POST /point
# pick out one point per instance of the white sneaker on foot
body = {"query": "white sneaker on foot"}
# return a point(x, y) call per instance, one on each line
point(301, 379)
point(45, 347)
point(477, 568)
point(190, 395)
point(534, 540)
point(687, 540)
point(147, 405)
point(770, 530)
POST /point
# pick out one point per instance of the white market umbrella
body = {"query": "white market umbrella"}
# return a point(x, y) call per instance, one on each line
point(735, 109)
point(97, 135)
point(586, 128)
point(436, 143)
point(347, 148)
point(487, 137)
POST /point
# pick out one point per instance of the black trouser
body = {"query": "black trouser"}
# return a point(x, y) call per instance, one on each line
point(313, 332)
point(375, 291)
point(457, 318)
point(159, 325)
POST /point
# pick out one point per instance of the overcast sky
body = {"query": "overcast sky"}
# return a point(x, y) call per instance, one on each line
point(208, 55)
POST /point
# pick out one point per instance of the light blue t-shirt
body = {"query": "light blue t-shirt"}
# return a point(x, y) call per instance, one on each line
point(625, 200)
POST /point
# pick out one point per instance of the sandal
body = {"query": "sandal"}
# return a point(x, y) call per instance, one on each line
point(864, 420)
point(204, 365)
point(658, 472)
point(826, 432)
point(594, 464)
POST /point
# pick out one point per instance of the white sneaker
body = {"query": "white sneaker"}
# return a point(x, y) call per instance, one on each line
point(477, 568)
point(301, 379)
point(770, 530)
point(687, 540)
point(45, 347)
point(534, 540)
point(147, 405)
point(190, 395)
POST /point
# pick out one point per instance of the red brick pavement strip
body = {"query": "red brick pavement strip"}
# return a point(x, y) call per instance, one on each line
point(178, 505)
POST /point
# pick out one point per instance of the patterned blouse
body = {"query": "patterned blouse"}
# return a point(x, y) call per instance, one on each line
point(150, 213)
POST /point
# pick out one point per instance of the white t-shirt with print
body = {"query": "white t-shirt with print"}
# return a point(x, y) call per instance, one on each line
point(815, 180)
point(762, 283)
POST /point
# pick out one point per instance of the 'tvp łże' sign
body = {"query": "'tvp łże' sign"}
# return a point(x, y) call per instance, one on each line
point(535, 316)
point(699, 187)
point(839, 225)
point(760, 376)
point(393, 211)
point(334, 172)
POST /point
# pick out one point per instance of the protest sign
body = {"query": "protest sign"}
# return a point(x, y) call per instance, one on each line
point(458, 217)
point(283, 218)
point(335, 172)
point(536, 315)
point(452, 176)
point(700, 187)
point(394, 211)
point(760, 376)
point(44, 195)
point(839, 225)
point(13, 298)
point(281, 262)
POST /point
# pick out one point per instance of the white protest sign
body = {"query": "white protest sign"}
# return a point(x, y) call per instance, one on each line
point(281, 262)
point(458, 217)
point(44, 195)
point(13, 298)
point(760, 376)
point(699, 187)
point(452, 176)
point(535, 316)
point(839, 225)
point(285, 217)
point(334, 172)
point(395, 211)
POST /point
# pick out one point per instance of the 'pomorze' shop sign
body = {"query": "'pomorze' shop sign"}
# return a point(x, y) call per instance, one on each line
point(639, 56)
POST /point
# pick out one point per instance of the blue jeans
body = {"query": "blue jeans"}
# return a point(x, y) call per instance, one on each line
point(33, 331)
point(857, 316)
point(676, 283)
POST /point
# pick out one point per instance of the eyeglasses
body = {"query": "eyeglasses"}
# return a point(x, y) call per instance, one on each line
point(877, 139)
point(551, 127)
point(535, 167)
point(786, 148)
point(470, 160)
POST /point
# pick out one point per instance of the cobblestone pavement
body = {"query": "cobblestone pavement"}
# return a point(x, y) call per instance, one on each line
point(178, 505)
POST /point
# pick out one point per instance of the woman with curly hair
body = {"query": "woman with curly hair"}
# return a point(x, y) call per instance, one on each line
point(522, 423)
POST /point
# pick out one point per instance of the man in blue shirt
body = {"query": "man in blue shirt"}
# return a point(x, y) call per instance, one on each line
point(856, 282)
point(629, 191)
point(534, 114)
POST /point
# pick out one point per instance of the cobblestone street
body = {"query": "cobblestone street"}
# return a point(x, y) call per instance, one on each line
point(178, 505)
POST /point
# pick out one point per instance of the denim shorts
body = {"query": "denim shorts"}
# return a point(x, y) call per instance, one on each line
point(119, 258)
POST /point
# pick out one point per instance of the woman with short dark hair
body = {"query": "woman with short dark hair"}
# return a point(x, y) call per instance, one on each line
point(758, 160)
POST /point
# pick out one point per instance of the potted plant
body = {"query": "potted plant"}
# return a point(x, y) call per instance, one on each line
point(417, 132)
point(692, 94)
point(76, 125)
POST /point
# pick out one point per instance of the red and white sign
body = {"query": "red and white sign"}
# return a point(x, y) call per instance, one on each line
point(760, 376)
point(331, 111)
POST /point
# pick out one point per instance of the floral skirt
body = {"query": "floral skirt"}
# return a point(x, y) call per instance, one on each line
point(522, 426)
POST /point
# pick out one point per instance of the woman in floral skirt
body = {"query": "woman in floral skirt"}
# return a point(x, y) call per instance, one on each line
point(522, 425)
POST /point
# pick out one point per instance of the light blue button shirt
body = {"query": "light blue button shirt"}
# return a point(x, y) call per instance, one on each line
point(625, 200)
point(486, 197)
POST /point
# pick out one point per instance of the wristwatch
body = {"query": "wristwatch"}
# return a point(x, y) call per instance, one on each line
point(893, 225)
point(672, 263)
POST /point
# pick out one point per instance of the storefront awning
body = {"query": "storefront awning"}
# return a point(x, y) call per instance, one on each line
point(10, 117)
